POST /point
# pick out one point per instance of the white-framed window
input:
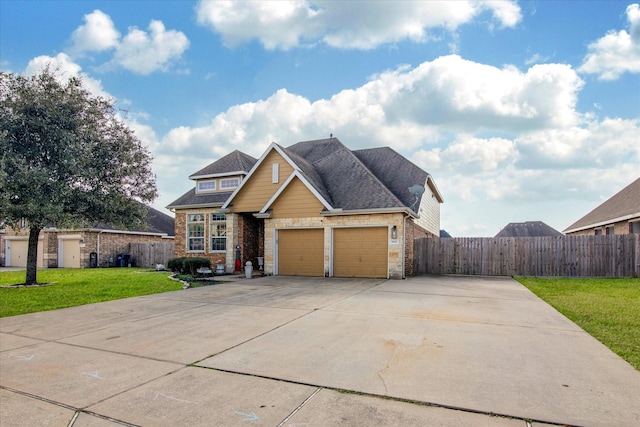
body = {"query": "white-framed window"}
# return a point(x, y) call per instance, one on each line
point(275, 173)
point(229, 183)
point(609, 230)
point(218, 227)
point(195, 232)
point(206, 186)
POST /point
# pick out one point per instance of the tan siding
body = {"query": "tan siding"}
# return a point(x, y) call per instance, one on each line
point(259, 189)
point(360, 252)
point(296, 201)
point(301, 252)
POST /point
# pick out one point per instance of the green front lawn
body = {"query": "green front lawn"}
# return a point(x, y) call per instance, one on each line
point(71, 287)
point(608, 309)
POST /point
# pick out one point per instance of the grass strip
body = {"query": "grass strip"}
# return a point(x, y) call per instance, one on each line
point(72, 287)
point(608, 309)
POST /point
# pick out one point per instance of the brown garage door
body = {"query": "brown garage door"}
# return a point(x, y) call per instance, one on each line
point(360, 252)
point(301, 252)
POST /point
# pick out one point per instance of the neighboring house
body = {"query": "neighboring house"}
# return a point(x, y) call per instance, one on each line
point(86, 247)
point(528, 229)
point(620, 214)
point(315, 208)
point(444, 234)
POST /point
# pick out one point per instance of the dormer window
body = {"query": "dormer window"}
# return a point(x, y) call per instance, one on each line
point(206, 186)
point(229, 183)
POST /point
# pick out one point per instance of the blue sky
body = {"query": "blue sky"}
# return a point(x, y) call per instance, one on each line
point(521, 111)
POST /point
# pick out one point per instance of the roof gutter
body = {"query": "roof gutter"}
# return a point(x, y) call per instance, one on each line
point(203, 205)
point(217, 175)
point(106, 230)
point(342, 212)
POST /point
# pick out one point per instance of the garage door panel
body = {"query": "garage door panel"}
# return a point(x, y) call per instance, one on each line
point(18, 253)
point(360, 252)
point(71, 253)
point(301, 252)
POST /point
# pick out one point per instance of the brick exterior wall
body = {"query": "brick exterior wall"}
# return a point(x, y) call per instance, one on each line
point(180, 241)
point(621, 227)
point(413, 232)
point(111, 244)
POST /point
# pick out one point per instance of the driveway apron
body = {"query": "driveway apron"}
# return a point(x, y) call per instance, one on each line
point(429, 350)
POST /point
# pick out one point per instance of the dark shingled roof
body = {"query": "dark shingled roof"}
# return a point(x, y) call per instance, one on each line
point(444, 234)
point(159, 222)
point(395, 171)
point(190, 198)
point(156, 222)
point(528, 229)
point(232, 162)
point(375, 178)
point(624, 203)
point(235, 161)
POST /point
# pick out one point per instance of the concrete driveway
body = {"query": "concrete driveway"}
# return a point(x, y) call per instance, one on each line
point(284, 351)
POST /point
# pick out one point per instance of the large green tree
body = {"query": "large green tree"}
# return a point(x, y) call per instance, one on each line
point(67, 159)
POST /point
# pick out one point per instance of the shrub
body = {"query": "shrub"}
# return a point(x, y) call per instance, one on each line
point(193, 264)
point(187, 265)
point(176, 264)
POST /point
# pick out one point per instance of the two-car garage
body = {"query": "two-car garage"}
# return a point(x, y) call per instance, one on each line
point(355, 252)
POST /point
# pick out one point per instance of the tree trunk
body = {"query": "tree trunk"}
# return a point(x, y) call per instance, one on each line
point(32, 255)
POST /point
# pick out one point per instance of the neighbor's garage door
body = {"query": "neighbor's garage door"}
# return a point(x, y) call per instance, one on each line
point(17, 253)
point(70, 253)
point(360, 252)
point(301, 252)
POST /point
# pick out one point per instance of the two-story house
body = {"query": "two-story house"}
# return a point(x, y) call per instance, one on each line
point(315, 208)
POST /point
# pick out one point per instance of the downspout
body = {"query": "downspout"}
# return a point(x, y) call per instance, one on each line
point(98, 248)
point(404, 245)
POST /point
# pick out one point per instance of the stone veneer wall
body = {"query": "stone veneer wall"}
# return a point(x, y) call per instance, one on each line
point(396, 252)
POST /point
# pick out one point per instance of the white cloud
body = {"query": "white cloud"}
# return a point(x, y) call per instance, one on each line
point(97, 34)
point(65, 68)
point(360, 25)
point(537, 58)
point(616, 52)
point(462, 95)
point(145, 52)
point(493, 138)
point(141, 52)
point(405, 108)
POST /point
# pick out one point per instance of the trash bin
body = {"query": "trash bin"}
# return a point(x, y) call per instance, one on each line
point(93, 259)
point(120, 260)
point(127, 260)
point(248, 270)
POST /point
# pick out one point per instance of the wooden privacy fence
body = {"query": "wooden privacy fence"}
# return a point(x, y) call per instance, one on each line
point(566, 256)
point(150, 254)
